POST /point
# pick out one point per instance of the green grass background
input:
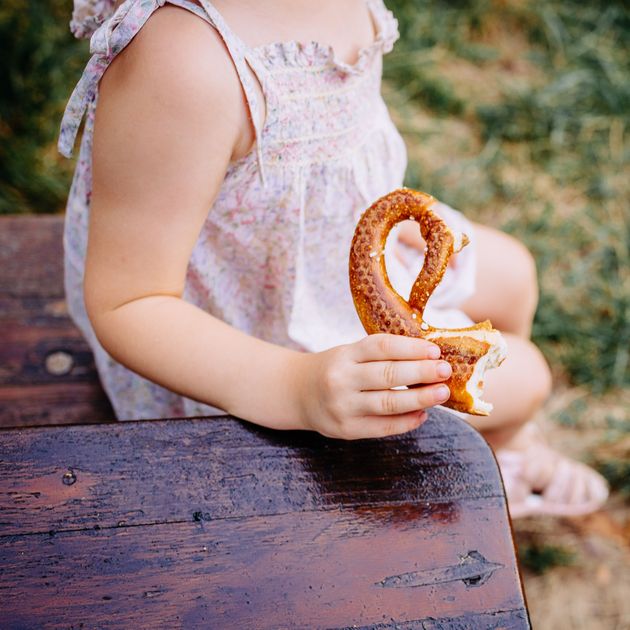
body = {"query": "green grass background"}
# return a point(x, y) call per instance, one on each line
point(515, 112)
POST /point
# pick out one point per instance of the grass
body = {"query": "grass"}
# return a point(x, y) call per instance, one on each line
point(612, 459)
point(516, 113)
point(540, 558)
point(617, 473)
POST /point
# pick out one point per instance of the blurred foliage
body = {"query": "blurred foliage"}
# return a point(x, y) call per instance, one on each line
point(539, 557)
point(40, 63)
point(617, 472)
point(612, 457)
point(514, 111)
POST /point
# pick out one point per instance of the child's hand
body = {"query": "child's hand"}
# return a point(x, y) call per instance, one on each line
point(346, 391)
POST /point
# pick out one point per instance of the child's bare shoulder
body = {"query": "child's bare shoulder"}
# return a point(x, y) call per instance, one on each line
point(179, 63)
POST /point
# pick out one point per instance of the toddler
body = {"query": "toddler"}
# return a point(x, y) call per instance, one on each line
point(228, 151)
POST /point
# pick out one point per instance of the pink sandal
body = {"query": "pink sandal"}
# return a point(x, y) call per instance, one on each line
point(539, 480)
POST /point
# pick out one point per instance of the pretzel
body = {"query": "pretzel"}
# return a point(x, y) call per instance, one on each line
point(470, 351)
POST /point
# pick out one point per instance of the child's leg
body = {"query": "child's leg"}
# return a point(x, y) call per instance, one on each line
point(538, 479)
point(507, 288)
point(517, 390)
point(507, 294)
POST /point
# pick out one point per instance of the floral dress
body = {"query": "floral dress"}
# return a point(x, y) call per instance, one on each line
point(272, 256)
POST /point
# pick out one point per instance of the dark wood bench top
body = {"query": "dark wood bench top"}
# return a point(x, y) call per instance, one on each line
point(216, 523)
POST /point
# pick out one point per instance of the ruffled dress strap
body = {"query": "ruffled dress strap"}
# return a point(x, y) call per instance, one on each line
point(387, 25)
point(117, 31)
point(250, 72)
point(88, 15)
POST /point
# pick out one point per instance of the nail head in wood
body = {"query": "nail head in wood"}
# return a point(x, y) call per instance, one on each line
point(59, 363)
point(69, 478)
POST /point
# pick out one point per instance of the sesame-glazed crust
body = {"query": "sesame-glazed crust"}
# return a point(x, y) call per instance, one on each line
point(462, 353)
point(381, 309)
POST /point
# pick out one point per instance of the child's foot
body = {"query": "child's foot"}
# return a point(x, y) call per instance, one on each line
point(539, 480)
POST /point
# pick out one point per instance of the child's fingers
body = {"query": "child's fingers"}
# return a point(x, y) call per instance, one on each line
point(378, 427)
point(384, 347)
point(396, 402)
point(388, 374)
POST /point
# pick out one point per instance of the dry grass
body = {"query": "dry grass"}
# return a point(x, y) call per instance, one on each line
point(591, 592)
point(576, 571)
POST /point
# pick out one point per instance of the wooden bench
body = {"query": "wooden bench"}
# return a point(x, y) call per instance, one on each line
point(217, 523)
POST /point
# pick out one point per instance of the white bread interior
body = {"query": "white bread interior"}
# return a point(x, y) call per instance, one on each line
point(493, 358)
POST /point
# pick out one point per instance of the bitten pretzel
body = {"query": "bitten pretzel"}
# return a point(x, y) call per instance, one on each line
point(470, 351)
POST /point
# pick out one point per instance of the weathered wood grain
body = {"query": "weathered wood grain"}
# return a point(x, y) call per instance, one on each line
point(316, 569)
point(31, 256)
point(217, 523)
point(25, 348)
point(53, 404)
point(47, 372)
point(164, 474)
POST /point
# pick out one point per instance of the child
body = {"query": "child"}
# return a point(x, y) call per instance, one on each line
point(223, 167)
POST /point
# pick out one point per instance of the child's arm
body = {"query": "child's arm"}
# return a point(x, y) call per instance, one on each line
point(170, 117)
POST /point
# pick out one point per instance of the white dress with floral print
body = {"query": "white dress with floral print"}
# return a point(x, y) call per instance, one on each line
point(271, 258)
